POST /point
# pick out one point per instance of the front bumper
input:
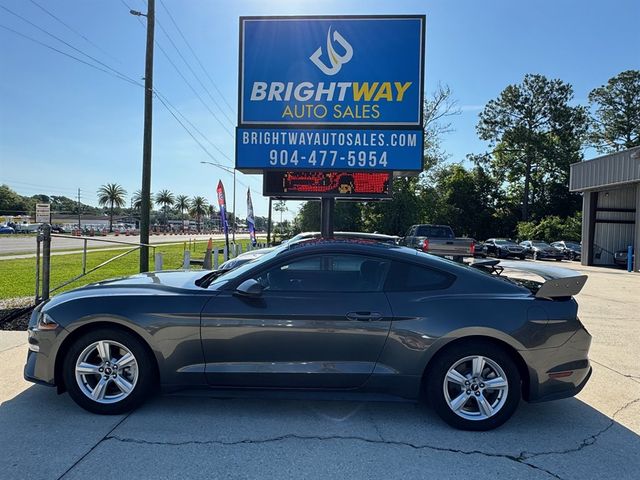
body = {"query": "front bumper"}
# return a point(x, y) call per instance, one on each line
point(43, 347)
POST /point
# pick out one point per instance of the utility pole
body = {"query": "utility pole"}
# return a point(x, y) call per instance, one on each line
point(79, 213)
point(145, 207)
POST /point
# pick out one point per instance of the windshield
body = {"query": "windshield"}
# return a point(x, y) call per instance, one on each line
point(505, 242)
point(541, 245)
point(572, 245)
point(238, 271)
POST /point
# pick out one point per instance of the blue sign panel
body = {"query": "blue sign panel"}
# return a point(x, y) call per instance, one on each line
point(259, 149)
point(350, 71)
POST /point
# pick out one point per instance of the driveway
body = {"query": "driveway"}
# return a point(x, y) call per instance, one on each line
point(278, 436)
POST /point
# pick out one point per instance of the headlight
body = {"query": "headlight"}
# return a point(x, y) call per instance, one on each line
point(45, 322)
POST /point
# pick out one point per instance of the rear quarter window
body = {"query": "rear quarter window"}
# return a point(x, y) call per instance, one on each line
point(411, 277)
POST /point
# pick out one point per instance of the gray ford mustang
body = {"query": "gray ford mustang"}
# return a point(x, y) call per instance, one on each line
point(320, 314)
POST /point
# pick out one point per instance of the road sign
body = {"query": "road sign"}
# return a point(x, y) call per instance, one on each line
point(43, 213)
point(327, 184)
point(343, 90)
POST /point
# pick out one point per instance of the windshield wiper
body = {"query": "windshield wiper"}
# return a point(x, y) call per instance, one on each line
point(205, 281)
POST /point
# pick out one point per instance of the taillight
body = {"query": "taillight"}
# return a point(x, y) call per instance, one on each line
point(473, 248)
point(425, 245)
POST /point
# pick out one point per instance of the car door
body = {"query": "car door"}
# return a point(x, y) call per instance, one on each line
point(320, 322)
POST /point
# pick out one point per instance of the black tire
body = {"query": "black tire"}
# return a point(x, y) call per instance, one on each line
point(444, 361)
point(146, 377)
point(522, 257)
point(559, 259)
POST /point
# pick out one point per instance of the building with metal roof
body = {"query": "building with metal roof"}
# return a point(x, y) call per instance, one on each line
point(610, 206)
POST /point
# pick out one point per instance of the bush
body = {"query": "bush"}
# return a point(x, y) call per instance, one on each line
point(552, 229)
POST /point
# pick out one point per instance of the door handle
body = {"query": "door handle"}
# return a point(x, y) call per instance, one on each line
point(364, 316)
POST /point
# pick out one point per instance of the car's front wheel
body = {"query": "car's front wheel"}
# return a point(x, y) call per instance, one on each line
point(108, 371)
point(474, 386)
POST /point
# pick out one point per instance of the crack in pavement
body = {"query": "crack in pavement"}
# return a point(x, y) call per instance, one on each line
point(292, 436)
point(588, 441)
point(523, 458)
point(635, 378)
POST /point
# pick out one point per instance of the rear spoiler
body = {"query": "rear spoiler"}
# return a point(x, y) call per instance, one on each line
point(560, 282)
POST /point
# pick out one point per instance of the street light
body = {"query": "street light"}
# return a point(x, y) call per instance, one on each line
point(228, 170)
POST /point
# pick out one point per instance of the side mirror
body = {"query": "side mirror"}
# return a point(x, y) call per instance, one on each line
point(249, 288)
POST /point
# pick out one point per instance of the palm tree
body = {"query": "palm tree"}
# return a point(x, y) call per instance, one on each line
point(166, 199)
point(281, 207)
point(198, 208)
point(182, 204)
point(111, 194)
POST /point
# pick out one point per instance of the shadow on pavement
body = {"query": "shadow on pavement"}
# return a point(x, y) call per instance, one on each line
point(43, 434)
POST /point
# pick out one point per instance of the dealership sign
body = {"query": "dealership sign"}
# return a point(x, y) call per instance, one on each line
point(350, 88)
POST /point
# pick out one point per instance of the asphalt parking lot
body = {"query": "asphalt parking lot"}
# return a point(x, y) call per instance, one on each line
point(213, 435)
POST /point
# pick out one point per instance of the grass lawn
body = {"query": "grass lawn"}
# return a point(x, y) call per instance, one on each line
point(17, 277)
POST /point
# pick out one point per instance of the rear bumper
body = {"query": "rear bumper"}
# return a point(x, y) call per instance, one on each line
point(559, 372)
point(565, 392)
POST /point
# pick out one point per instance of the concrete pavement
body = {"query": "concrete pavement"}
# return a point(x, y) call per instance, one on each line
point(269, 436)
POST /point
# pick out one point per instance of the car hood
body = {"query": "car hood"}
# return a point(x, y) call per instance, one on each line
point(143, 283)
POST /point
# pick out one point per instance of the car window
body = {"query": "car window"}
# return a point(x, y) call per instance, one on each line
point(541, 245)
point(434, 232)
point(411, 277)
point(327, 273)
point(572, 245)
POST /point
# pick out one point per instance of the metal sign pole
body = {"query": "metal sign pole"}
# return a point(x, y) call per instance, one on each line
point(327, 207)
point(46, 260)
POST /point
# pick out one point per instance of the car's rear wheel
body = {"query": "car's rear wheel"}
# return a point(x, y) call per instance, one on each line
point(108, 371)
point(474, 386)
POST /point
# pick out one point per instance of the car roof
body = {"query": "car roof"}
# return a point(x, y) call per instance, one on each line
point(347, 242)
point(380, 236)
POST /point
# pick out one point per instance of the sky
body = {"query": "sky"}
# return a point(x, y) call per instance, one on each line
point(64, 125)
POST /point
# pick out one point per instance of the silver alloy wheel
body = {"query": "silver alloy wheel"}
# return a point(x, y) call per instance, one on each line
point(106, 371)
point(475, 388)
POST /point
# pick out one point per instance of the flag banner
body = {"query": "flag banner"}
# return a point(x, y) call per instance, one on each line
point(222, 203)
point(251, 223)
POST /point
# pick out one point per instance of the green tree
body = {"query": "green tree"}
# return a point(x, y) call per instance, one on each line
point(111, 194)
point(536, 135)
point(198, 209)
point(165, 199)
point(615, 121)
point(347, 217)
point(413, 197)
point(182, 204)
point(552, 229)
point(465, 200)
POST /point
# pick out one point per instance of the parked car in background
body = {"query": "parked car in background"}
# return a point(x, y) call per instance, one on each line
point(620, 258)
point(377, 237)
point(438, 240)
point(479, 250)
point(504, 248)
point(571, 250)
point(5, 229)
point(538, 250)
point(254, 254)
point(244, 258)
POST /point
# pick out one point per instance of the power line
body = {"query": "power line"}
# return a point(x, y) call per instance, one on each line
point(194, 90)
point(193, 126)
point(116, 75)
point(70, 28)
point(195, 56)
point(65, 43)
point(194, 73)
point(164, 52)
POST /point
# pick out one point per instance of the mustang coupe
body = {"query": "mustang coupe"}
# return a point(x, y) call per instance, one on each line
point(320, 314)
